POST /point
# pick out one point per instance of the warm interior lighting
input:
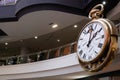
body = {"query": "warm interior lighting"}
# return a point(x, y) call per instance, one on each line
point(54, 25)
point(36, 37)
point(6, 43)
point(104, 2)
point(58, 40)
point(75, 26)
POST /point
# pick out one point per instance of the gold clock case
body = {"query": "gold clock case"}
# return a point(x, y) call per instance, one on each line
point(108, 50)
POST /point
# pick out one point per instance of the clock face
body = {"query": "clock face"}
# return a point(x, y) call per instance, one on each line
point(91, 41)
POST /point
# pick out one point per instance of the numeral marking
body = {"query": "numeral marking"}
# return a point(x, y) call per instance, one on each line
point(102, 36)
point(100, 45)
point(95, 26)
point(91, 49)
point(84, 31)
point(81, 39)
point(84, 56)
point(91, 26)
point(96, 52)
point(85, 43)
point(90, 57)
point(80, 52)
point(78, 46)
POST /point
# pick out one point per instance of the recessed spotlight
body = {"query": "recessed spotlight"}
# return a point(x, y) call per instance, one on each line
point(54, 25)
point(36, 37)
point(104, 2)
point(58, 40)
point(75, 26)
point(6, 43)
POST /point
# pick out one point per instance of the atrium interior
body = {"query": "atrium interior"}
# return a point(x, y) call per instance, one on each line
point(38, 39)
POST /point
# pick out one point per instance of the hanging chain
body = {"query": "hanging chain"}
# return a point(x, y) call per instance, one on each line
point(96, 12)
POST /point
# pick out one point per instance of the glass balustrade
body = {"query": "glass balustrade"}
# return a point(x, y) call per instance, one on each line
point(39, 56)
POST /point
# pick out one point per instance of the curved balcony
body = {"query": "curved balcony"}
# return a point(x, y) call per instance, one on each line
point(52, 62)
point(39, 56)
point(58, 63)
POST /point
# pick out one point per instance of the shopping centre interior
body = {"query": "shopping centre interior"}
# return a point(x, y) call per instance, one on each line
point(38, 39)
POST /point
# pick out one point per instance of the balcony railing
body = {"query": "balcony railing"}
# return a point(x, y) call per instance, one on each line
point(39, 56)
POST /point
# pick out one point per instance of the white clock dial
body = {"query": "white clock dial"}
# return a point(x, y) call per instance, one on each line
point(91, 41)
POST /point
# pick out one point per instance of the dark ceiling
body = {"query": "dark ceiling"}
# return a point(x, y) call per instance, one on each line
point(66, 35)
point(110, 4)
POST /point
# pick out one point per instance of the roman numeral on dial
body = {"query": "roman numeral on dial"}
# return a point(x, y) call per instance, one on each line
point(90, 57)
point(80, 52)
point(84, 56)
point(102, 36)
point(96, 52)
point(78, 46)
point(100, 45)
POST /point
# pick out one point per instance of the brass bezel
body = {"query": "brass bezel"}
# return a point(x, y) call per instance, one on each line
point(107, 37)
point(110, 44)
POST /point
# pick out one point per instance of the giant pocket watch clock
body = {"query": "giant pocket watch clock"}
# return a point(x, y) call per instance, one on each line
point(97, 42)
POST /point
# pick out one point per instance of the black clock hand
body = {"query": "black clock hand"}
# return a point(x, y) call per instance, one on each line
point(90, 31)
point(89, 40)
point(94, 35)
point(102, 36)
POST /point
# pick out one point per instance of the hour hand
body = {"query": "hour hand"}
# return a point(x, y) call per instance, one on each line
point(94, 35)
point(88, 43)
point(90, 31)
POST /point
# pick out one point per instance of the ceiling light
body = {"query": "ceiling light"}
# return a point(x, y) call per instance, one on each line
point(6, 43)
point(75, 26)
point(104, 2)
point(58, 40)
point(36, 37)
point(53, 25)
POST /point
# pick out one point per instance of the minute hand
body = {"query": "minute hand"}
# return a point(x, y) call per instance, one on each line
point(94, 35)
